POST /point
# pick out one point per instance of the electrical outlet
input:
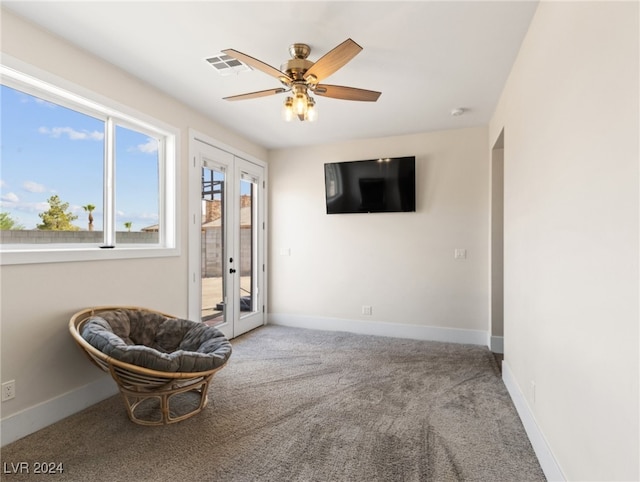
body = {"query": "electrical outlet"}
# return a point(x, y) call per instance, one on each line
point(367, 310)
point(8, 390)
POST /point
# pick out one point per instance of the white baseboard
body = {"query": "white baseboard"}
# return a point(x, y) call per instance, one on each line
point(35, 418)
point(497, 344)
point(545, 456)
point(379, 328)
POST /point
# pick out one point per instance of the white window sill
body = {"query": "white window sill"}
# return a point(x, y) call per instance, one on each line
point(70, 253)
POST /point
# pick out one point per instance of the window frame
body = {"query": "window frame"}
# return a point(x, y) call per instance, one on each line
point(31, 80)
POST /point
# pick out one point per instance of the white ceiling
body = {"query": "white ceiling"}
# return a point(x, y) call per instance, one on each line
point(426, 58)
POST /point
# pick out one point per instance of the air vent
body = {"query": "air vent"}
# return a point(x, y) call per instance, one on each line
point(226, 65)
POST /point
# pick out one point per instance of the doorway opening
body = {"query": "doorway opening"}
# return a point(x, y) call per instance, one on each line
point(497, 245)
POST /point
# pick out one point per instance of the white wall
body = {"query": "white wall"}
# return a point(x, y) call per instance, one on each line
point(401, 264)
point(37, 300)
point(570, 118)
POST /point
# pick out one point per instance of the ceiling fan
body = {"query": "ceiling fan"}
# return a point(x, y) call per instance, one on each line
point(301, 76)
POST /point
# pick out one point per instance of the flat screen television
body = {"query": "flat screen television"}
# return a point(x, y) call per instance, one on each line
point(371, 186)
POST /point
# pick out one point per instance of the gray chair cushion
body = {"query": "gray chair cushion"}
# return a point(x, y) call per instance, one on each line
point(151, 340)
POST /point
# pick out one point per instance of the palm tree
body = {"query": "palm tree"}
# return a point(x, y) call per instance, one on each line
point(128, 225)
point(89, 208)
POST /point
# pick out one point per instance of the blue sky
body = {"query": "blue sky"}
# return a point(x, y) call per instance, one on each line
point(47, 149)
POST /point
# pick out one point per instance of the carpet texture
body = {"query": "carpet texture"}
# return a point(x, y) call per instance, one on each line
point(305, 405)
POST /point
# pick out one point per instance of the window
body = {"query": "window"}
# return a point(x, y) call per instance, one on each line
point(137, 180)
point(78, 177)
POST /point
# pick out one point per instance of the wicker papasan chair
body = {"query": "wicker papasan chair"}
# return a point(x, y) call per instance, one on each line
point(162, 364)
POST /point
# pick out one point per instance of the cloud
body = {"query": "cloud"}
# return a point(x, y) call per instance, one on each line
point(71, 133)
point(139, 219)
point(46, 103)
point(26, 98)
point(78, 209)
point(2, 183)
point(149, 147)
point(37, 207)
point(10, 200)
point(32, 186)
point(148, 216)
point(10, 197)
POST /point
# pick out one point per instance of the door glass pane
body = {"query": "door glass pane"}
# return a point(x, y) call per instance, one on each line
point(213, 247)
point(247, 245)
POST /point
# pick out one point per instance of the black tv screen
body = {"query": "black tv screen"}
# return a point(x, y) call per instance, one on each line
point(371, 186)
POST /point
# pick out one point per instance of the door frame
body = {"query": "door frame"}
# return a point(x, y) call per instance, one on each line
point(194, 211)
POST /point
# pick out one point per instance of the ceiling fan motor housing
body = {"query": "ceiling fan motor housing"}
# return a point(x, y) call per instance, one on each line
point(296, 67)
point(299, 51)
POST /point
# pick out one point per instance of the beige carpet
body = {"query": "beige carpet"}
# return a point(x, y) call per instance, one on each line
point(303, 405)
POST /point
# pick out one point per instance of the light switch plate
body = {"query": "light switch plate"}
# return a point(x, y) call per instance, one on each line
point(460, 253)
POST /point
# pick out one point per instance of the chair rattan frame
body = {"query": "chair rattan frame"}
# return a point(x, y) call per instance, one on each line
point(139, 384)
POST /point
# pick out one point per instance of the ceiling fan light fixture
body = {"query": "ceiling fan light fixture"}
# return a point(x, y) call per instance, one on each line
point(300, 103)
point(312, 112)
point(287, 109)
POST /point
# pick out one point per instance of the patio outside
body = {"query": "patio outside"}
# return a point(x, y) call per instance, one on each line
point(212, 297)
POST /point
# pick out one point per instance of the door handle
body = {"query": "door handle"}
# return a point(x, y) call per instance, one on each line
point(232, 270)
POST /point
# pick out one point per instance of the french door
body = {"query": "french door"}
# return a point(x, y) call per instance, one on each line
point(227, 241)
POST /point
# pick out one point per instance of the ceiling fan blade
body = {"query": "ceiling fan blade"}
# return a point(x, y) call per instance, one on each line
point(346, 93)
point(255, 95)
point(259, 65)
point(332, 61)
